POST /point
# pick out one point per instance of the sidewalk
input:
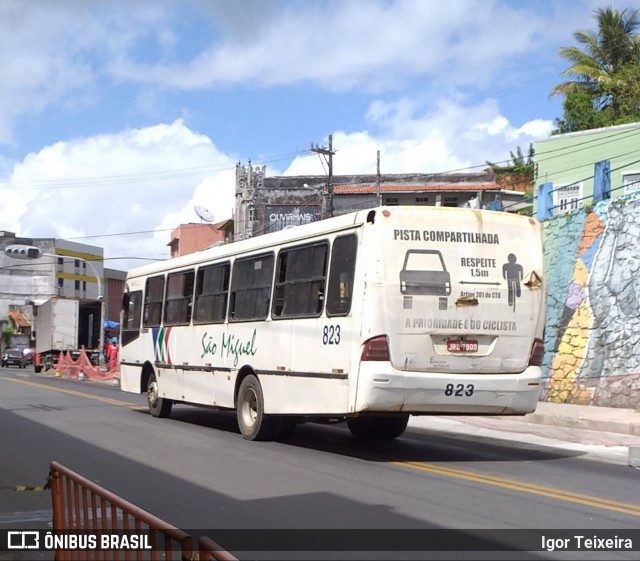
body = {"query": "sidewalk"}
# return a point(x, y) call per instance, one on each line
point(610, 433)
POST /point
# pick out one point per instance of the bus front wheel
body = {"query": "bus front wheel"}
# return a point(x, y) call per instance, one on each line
point(158, 406)
point(253, 423)
point(378, 428)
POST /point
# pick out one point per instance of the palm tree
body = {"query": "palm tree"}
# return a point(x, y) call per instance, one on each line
point(604, 55)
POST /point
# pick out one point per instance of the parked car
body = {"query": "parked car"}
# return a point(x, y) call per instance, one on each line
point(29, 355)
point(14, 357)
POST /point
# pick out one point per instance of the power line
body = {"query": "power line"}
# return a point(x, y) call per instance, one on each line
point(142, 177)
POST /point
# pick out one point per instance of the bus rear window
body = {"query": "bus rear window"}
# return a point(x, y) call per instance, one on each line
point(251, 288)
point(341, 271)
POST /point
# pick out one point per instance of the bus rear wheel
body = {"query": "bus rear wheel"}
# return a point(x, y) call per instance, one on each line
point(158, 406)
point(378, 428)
point(252, 421)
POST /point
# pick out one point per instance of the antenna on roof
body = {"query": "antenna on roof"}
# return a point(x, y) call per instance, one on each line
point(205, 214)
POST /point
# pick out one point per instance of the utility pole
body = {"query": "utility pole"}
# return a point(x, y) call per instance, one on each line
point(328, 153)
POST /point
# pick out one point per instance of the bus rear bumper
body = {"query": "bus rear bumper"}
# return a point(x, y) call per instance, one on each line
point(387, 389)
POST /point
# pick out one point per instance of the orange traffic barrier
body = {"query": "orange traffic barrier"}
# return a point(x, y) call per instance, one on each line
point(67, 367)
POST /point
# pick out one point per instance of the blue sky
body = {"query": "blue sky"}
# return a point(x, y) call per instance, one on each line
point(120, 117)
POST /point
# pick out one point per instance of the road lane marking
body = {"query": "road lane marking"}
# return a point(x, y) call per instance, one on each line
point(31, 488)
point(550, 492)
point(76, 393)
point(26, 517)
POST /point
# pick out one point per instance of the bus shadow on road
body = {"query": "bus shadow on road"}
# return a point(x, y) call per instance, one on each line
point(413, 446)
point(423, 446)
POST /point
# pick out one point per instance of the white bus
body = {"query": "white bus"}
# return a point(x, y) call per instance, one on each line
point(367, 317)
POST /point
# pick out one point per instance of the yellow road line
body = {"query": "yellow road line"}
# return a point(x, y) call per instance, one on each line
point(30, 488)
point(76, 393)
point(551, 492)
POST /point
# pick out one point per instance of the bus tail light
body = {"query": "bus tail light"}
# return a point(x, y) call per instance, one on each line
point(537, 353)
point(376, 349)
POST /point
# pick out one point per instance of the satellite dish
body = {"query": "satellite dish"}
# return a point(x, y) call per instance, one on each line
point(204, 213)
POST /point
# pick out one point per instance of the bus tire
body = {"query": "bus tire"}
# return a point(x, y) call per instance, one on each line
point(37, 368)
point(378, 428)
point(252, 421)
point(158, 406)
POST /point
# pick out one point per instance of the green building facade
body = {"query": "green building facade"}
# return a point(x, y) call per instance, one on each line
point(568, 162)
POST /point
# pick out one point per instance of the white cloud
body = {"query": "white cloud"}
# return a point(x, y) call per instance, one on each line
point(451, 138)
point(133, 181)
point(356, 44)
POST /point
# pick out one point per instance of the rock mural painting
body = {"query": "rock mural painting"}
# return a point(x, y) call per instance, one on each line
point(592, 336)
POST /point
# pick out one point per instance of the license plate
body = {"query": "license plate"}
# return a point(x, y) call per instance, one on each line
point(458, 346)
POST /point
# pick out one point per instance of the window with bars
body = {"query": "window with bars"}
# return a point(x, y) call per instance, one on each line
point(631, 183)
point(566, 198)
point(391, 201)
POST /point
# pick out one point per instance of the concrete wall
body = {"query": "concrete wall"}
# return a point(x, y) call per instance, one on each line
point(592, 336)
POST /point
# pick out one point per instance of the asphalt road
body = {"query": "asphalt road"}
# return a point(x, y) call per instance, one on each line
point(195, 471)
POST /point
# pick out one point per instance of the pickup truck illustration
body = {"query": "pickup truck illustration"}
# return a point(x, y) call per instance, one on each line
point(424, 273)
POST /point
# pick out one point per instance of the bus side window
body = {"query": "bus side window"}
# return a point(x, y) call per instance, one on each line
point(300, 281)
point(132, 312)
point(179, 298)
point(212, 291)
point(343, 262)
point(251, 288)
point(154, 294)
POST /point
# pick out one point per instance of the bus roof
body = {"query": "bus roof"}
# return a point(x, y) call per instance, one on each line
point(264, 241)
point(289, 235)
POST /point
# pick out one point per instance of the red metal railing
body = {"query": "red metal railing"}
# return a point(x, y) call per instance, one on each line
point(81, 506)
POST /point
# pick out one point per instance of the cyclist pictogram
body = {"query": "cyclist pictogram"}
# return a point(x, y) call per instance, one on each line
point(512, 272)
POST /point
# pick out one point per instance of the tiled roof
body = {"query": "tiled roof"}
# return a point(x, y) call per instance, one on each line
point(19, 319)
point(433, 188)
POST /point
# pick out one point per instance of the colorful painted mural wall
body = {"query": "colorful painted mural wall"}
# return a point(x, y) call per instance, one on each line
point(592, 335)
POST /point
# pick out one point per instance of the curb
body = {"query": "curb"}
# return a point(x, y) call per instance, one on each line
point(623, 427)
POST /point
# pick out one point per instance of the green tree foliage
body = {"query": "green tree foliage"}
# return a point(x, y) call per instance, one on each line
point(604, 90)
point(580, 113)
point(519, 167)
point(518, 172)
